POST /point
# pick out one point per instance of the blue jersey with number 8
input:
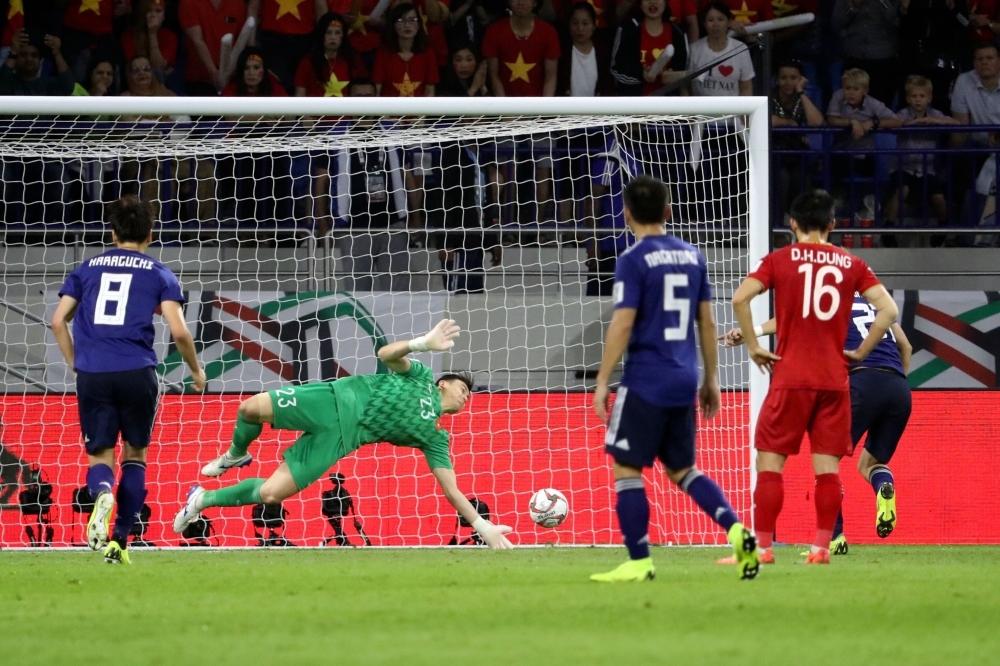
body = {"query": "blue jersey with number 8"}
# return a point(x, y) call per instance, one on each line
point(664, 279)
point(118, 293)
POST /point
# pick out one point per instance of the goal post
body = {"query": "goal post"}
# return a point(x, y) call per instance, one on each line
point(299, 259)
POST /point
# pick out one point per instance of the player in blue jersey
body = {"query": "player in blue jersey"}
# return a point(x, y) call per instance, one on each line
point(111, 300)
point(880, 406)
point(661, 291)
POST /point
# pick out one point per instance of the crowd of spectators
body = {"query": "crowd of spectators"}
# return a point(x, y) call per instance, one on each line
point(861, 65)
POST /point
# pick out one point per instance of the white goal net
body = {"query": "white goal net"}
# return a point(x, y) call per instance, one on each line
point(307, 233)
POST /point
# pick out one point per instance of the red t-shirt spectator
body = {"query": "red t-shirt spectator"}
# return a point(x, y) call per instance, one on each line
point(650, 48)
point(681, 9)
point(165, 38)
point(93, 16)
point(288, 17)
point(338, 74)
point(435, 32)
point(277, 90)
point(751, 11)
point(987, 8)
point(228, 19)
point(363, 36)
point(402, 78)
point(521, 61)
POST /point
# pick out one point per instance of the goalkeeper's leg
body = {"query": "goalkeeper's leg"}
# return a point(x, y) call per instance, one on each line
point(253, 413)
point(273, 490)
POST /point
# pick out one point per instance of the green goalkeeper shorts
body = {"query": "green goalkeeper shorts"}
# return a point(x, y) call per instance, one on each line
point(311, 408)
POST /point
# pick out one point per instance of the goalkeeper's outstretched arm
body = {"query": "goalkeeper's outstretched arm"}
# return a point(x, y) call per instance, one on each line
point(492, 534)
point(439, 338)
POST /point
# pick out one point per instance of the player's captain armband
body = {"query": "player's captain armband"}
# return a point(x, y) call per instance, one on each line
point(618, 292)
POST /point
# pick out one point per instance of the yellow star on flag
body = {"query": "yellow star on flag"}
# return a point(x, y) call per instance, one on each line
point(781, 8)
point(359, 25)
point(288, 7)
point(519, 69)
point(16, 7)
point(335, 87)
point(90, 5)
point(407, 88)
point(744, 15)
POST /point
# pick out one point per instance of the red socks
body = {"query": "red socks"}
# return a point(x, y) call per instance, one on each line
point(768, 497)
point(829, 496)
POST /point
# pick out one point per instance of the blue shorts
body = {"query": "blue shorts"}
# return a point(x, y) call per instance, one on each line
point(640, 432)
point(117, 402)
point(880, 406)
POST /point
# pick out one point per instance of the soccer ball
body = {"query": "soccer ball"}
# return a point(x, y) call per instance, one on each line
point(548, 507)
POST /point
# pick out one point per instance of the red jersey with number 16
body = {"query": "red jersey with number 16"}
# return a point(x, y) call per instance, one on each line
point(814, 287)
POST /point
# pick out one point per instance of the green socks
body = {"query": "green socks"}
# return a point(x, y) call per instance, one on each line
point(244, 492)
point(243, 435)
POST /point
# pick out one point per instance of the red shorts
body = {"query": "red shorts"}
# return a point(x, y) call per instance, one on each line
point(788, 414)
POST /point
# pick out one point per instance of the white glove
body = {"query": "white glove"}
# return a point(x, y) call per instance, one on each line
point(439, 338)
point(492, 534)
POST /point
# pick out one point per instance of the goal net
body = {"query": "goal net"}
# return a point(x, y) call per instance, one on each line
point(307, 233)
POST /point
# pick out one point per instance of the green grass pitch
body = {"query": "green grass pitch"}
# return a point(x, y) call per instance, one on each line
point(878, 605)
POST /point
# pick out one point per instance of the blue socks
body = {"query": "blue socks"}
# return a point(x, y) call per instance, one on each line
point(880, 474)
point(709, 497)
point(633, 516)
point(130, 497)
point(100, 479)
point(838, 527)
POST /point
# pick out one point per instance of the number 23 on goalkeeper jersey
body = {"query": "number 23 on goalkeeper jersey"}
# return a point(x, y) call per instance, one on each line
point(664, 279)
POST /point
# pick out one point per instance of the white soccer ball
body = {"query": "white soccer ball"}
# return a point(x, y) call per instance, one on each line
point(548, 507)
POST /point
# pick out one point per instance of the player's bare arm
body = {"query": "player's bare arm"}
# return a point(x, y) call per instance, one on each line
point(886, 313)
point(708, 395)
point(903, 345)
point(734, 337)
point(750, 289)
point(615, 344)
point(60, 328)
point(439, 338)
point(492, 534)
point(174, 314)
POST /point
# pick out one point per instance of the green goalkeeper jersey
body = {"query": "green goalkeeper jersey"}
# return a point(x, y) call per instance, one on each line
point(402, 409)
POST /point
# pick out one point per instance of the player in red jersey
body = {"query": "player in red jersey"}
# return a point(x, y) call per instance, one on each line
point(814, 284)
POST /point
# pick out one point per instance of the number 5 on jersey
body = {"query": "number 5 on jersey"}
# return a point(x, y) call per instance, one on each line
point(682, 306)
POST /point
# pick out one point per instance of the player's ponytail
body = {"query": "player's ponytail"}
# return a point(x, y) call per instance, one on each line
point(131, 219)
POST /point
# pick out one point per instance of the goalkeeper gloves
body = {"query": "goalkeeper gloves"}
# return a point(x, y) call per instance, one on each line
point(492, 534)
point(439, 338)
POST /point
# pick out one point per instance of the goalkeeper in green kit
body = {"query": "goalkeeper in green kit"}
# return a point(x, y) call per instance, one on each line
point(339, 417)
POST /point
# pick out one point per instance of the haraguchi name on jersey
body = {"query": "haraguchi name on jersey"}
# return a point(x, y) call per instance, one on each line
point(671, 257)
point(121, 261)
point(821, 257)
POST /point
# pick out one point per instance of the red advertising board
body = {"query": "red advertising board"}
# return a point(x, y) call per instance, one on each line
point(505, 446)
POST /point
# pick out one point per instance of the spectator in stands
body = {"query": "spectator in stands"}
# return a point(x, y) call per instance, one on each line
point(639, 43)
point(467, 74)
point(87, 26)
point(916, 171)
point(976, 98)
point(20, 74)
point(405, 66)
point(869, 37)
point(523, 55)
point(285, 33)
point(933, 42)
point(332, 63)
point(791, 107)
point(205, 23)
point(13, 25)
point(683, 13)
point(364, 31)
point(147, 37)
point(101, 79)
point(253, 76)
point(732, 73)
point(584, 71)
point(852, 107)
point(469, 19)
point(376, 251)
point(141, 81)
point(434, 18)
